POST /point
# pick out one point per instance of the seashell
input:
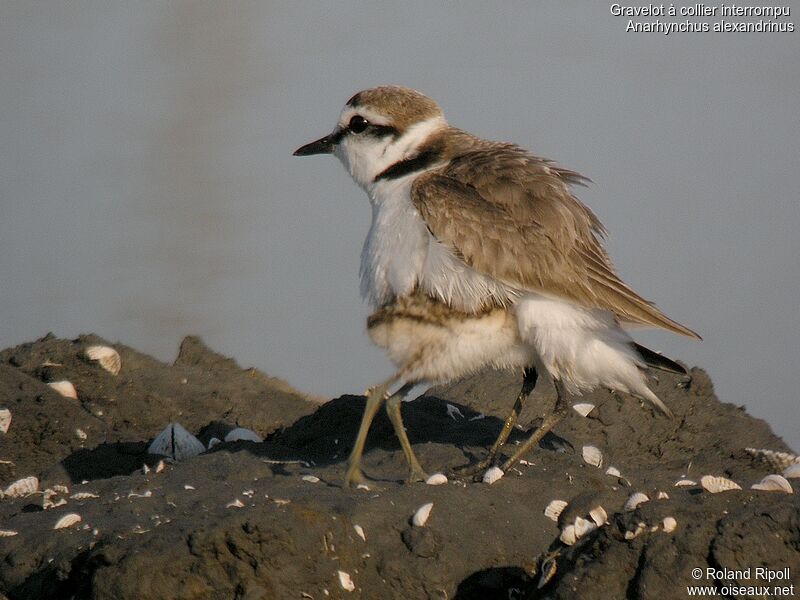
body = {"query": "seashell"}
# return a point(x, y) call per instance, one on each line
point(81, 434)
point(360, 532)
point(50, 497)
point(549, 569)
point(792, 472)
point(5, 420)
point(493, 474)
point(346, 581)
point(436, 479)
point(669, 524)
point(22, 487)
point(478, 417)
point(8, 533)
point(145, 469)
point(583, 526)
point(213, 442)
point(311, 478)
point(421, 515)
point(635, 500)
point(187, 486)
point(145, 494)
point(244, 435)
point(235, 504)
point(177, 443)
point(592, 456)
point(68, 520)
point(773, 483)
point(662, 495)
point(84, 496)
point(554, 509)
point(583, 408)
point(640, 528)
point(613, 471)
point(106, 356)
point(777, 460)
point(65, 388)
point(685, 483)
point(160, 466)
point(598, 515)
point(453, 411)
point(568, 535)
point(715, 485)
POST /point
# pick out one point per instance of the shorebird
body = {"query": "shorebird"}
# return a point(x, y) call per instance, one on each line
point(480, 255)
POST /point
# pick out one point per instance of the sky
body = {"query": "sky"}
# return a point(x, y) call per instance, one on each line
point(148, 192)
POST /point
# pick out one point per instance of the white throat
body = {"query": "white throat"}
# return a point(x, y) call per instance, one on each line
point(366, 158)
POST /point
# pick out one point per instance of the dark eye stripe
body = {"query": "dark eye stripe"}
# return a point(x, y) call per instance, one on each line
point(377, 131)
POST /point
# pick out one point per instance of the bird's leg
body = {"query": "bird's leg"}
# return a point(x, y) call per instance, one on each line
point(393, 403)
point(528, 384)
point(550, 421)
point(375, 397)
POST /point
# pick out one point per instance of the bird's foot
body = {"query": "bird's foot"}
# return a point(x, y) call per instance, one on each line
point(474, 471)
point(355, 477)
point(416, 474)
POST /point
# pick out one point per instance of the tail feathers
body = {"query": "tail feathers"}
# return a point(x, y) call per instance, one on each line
point(657, 361)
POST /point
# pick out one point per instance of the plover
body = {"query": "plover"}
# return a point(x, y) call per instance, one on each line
point(480, 255)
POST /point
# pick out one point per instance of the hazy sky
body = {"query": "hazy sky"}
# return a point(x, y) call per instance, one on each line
point(148, 191)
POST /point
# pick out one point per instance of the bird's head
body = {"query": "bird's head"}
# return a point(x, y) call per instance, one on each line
point(378, 128)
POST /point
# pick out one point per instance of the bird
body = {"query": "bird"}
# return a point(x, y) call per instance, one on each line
point(480, 255)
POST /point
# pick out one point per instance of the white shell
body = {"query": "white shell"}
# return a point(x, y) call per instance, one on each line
point(792, 472)
point(81, 434)
point(65, 388)
point(68, 520)
point(84, 496)
point(5, 419)
point(599, 516)
point(242, 434)
point(213, 442)
point(234, 504)
point(662, 496)
point(635, 500)
point(778, 460)
point(311, 478)
point(346, 581)
point(583, 408)
point(452, 411)
point(568, 535)
point(669, 524)
point(640, 528)
point(685, 483)
point(715, 485)
point(177, 443)
point(583, 526)
point(160, 466)
point(613, 471)
point(773, 483)
point(22, 487)
point(421, 516)
point(108, 358)
point(436, 479)
point(360, 531)
point(493, 474)
point(592, 456)
point(8, 533)
point(554, 509)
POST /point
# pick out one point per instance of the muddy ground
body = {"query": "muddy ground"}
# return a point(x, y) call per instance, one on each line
point(240, 521)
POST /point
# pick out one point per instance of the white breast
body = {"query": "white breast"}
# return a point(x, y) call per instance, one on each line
point(400, 254)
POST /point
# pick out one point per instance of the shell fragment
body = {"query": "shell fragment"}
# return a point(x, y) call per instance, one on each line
point(568, 535)
point(422, 514)
point(22, 487)
point(773, 483)
point(715, 484)
point(360, 532)
point(599, 516)
point(554, 509)
point(5, 420)
point(669, 524)
point(592, 456)
point(244, 435)
point(346, 581)
point(635, 500)
point(65, 388)
point(685, 483)
point(177, 443)
point(792, 472)
point(68, 520)
point(493, 474)
point(436, 479)
point(583, 408)
point(106, 356)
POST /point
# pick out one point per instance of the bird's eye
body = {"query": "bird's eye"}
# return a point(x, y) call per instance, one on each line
point(358, 124)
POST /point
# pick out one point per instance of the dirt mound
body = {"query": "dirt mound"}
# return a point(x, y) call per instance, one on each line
point(265, 520)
